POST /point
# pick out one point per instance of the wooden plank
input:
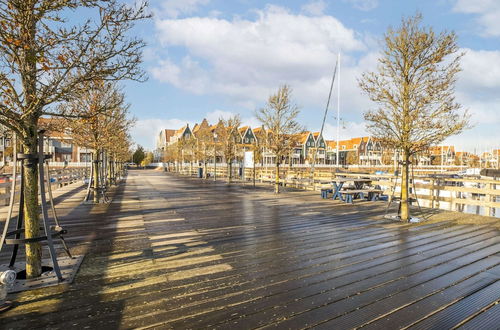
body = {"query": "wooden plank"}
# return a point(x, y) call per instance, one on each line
point(487, 319)
point(182, 252)
point(463, 309)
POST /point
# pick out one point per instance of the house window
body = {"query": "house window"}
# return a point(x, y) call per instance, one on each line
point(343, 147)
point(67, 157)
point(355, 146)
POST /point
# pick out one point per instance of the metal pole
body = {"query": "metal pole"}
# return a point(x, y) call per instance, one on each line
point(43, 204)
point(12, 190)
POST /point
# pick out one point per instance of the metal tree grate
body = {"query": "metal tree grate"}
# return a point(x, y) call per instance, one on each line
point(69, 267)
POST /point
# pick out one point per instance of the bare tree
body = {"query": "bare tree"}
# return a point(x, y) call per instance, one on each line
point(204, 139)
point(414, 90)
point(45, 58)
point(228, 138)
point(278, 118)
point(103, 120)
point(257, 148)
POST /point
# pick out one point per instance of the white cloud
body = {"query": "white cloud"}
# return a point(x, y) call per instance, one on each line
point(478, 140)
point(481, 70)
point(315, 8)
point(248, 59)
point(188, 75)
point(478, 85)
point(364, 5)
point(488, 12)
point(214, 116)
point(174, 8)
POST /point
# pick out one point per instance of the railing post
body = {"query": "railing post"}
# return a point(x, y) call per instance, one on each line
point(489, 197)
point(7, 193)
point(433, 187)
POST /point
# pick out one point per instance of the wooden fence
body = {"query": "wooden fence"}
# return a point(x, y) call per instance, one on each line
point(432, 191)
point(58, 178)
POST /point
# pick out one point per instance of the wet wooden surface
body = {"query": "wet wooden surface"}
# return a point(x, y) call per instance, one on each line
point(174, 252)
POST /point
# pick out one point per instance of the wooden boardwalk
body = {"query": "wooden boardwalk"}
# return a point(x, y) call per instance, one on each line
point(182, 253)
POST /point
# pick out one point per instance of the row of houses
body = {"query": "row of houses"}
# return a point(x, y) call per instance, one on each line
point(356, 151)
point(59, 144)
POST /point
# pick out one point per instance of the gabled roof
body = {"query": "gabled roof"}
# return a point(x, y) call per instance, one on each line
point(438, 150)
point(168, 134)
point(463, 154)
point(316, 135)
point(302, 137)
point(331, 144)
point(357, 140)
point(181, 130)
point(54, 127)
point(197, 127)
point(243, 130)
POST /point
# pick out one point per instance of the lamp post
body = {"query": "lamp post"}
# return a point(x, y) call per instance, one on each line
point(215, 156)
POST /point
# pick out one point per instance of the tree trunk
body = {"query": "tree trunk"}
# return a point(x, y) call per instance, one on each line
point(110, 171)
point(95, 185)
point(277, 179)
point(31, 210)
point(229, 171)
point(404, 207)
point(205, 174)
point(28, 73)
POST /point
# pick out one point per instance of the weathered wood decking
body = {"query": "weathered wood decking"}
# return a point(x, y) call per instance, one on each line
point(173, 252)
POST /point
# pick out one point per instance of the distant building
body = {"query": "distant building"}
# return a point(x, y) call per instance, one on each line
point(362, 151)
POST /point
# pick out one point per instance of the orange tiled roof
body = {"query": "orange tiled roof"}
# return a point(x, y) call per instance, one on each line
point(302, 137)
point(180, 130)
point(196, 128)
point(54, 127)
point(437, 150)
point(168, 134)
point(331, 144)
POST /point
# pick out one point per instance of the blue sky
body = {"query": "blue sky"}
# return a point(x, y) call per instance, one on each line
point(213, 58)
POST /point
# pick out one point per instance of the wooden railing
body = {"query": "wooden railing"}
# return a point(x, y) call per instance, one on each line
point(436, 192)
point(58, 178)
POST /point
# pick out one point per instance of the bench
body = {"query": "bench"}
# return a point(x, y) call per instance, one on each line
point(325, 192)
point(348, 195)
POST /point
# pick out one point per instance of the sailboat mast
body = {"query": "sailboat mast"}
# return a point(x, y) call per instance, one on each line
point(338, 110)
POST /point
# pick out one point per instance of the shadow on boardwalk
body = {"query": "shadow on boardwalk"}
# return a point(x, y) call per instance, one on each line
point(187, 253)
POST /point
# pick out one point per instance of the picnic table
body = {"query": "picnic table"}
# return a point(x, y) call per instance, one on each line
point(338, 184)
point(347, 195)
